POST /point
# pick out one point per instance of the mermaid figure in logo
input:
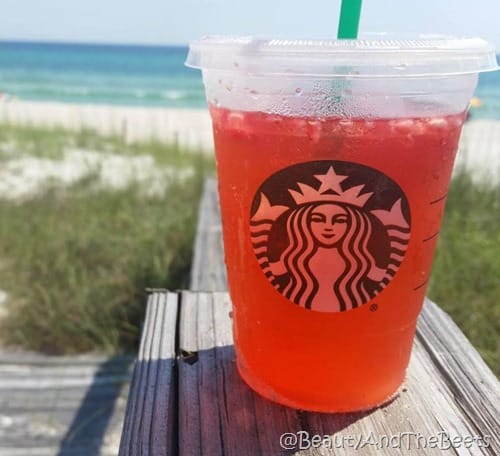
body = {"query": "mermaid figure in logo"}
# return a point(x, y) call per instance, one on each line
point(327, 264)
point(327, 258)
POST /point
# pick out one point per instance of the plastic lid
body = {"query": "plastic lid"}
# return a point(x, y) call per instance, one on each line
point(373, 57)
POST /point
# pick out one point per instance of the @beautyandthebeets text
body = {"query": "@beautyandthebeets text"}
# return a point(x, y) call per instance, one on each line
point(303, 440)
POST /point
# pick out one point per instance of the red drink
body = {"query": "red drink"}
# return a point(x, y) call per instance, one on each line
point(324, 319)
point(334, 159)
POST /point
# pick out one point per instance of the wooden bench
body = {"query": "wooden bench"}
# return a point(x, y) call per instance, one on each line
point(186, 396)
point(61, 405)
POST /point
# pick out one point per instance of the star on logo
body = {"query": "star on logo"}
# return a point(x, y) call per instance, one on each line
point(330, 181)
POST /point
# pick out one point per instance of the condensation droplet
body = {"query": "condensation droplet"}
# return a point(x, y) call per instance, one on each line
point(298, 91)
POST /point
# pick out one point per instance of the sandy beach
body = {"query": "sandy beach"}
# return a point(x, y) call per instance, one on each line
point(479, 149)
point(189, 128)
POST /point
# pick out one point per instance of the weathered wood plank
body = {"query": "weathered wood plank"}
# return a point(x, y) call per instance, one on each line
point(60, 404)
point(218, 413)
point(471, 383)
point(444, 390)
point(35, 380)
point(425, 409)
point(54, 451)
point(449, 392)
point(149, 422)
point(221, 415)
point(207, 275)
point(33, 360)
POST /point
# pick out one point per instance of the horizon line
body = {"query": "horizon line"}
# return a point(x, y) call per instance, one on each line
point(87, 43)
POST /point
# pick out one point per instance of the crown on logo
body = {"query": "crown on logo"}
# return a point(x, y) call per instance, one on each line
point(330, 182)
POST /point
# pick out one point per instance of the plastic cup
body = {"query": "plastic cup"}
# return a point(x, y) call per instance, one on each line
point(334, 160)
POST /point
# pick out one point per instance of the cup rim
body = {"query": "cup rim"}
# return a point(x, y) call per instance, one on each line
point(372, 55)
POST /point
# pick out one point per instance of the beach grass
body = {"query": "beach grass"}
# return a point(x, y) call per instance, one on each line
point(40, 142)
point(466, 271)
point(17, 141)
point(75, 261)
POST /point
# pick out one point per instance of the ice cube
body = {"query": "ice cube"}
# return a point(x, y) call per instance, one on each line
point(236, 120)
point(402, 124)
point(437, 122)
point(314, 130)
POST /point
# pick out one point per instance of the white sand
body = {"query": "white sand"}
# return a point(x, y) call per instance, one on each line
point(23, 177)
point(189, 128)
point(479, 151)
point(479, 147)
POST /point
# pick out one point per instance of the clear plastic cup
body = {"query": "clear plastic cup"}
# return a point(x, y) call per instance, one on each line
point(334, 160)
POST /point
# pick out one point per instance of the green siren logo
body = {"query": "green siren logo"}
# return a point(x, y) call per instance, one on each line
point(329, 235)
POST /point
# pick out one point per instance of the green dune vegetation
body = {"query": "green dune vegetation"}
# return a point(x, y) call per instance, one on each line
point(465, 279)
point(75, 259)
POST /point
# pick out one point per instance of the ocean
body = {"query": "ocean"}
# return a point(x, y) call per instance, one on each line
point(104, 74)
point(131, 76)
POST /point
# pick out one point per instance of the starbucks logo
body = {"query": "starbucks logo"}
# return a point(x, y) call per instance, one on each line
point(329, 235)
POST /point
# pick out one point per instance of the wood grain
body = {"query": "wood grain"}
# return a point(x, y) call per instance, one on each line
point(150, 420)
point(55, 405)
point(448, 391)
point(208, 272)
point(443, 377)
point(219, 414)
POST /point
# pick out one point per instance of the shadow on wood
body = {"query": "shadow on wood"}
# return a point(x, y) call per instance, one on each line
point(45, 400)
point(233, 419)
point(219, 414)
point(150, 426)
point(88, 427)
point(187, 397)
point(153, 428)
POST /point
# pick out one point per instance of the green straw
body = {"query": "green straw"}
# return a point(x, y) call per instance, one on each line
point(349, 19)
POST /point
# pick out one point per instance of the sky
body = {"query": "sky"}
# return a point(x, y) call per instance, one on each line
point(179, 21)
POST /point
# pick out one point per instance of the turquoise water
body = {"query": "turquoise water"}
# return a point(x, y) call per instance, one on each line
point(121, 75)
point(130, 75)
point(488, 90)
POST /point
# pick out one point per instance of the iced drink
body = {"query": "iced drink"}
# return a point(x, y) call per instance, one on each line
point(331, 204)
